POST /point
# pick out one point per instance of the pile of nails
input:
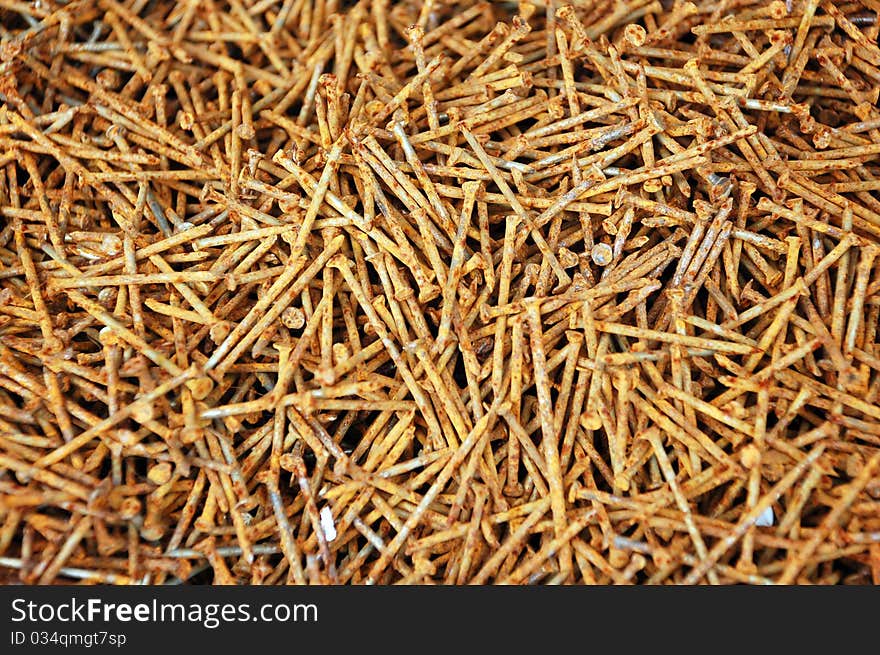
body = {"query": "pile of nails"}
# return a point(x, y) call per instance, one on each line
point(448, 292)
